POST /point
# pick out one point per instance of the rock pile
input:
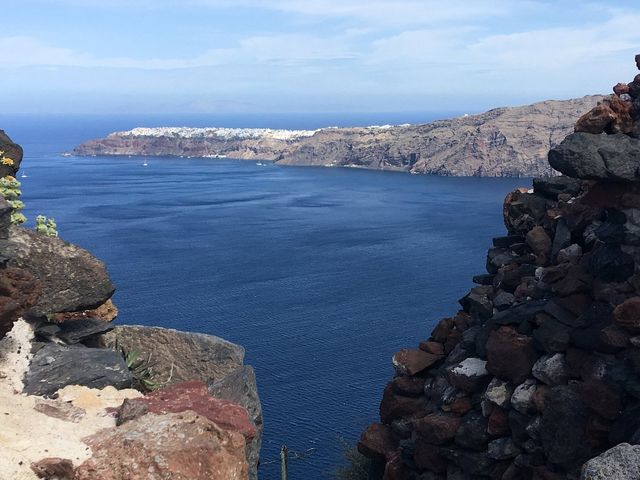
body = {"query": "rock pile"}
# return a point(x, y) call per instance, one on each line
point(540, 369)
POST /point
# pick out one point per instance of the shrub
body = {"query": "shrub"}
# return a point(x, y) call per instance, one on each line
point(357, 465)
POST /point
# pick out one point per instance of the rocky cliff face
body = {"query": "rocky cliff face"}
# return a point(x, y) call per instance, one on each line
point(498, 143)
point(82, 399)
point(540, 369)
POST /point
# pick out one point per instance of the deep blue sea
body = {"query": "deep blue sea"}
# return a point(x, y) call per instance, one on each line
point(321, 274)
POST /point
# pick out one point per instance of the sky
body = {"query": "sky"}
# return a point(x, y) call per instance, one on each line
point(280, 56)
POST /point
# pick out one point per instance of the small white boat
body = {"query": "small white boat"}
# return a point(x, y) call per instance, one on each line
point(259, 164)
point(145, 164)
point(24, 175)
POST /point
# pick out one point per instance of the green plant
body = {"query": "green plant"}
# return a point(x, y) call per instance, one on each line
point(141, 369)
point(357, 465)
point(10, 189)
point(46, 226)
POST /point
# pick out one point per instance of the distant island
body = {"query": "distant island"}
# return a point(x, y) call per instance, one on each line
point(503, 142)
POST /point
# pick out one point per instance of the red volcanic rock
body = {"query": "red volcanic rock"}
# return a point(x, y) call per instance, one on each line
point(601, 397)
point(394, 406)
point(396, 469)
point(377, 441)
point(437, 428)
point(412, 361)
point(408, 386)
point(596, 120)
point(195, 397)
point(458, 406)
point(431, 347)
point(539, 241)
point(627, 315)
point(441, 332)
point(174, 445)
point(498, 425)
point(19, 290)
point(50, 468)
point(427, 457)
point(621, 89)
point(623, 123)
point(613, 338)
point(510, 355)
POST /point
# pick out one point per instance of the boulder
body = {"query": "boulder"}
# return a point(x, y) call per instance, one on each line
point(437, 428)
point(597, 120)
point(413, 361)
point(473, 433)
point(627, 315)
point(499, 392)
point(522, 398)
point(610, 264)
point(56, 366)
point(551, 369)
point(194, 396)
point(177, 356)
point(510, 355)
point(19, 291)
point(377, 441)
point(562, 431)
point(53, 468)
point(76, 331)
point(469, 375)
point(240, 387)
point(619, 462)
point(71, 278)
point(394, 406)
point(502, 449)
point(598, 157)
point(539, 241)
point(175, 445)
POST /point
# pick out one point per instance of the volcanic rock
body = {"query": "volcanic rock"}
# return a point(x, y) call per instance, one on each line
point(598, 157)
point(176, 445)
point(53, 468)
point(412, 361)
point(551, 369)
point(510, 355)
point(19, 291)
point(55, 366)
point(619, 462)
point(437, 428)
point(377, 440)
point(627, 315)
point(71, 278)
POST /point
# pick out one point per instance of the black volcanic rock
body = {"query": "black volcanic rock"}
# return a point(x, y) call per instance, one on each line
point(598, 157)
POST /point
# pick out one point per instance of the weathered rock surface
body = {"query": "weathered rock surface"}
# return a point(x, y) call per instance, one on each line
point(620, 462)
point(71, 278)
point(193, 396)
point(53, 468)
point(19, 291)
point(500, 142)
point(11, 150)
point(55, 366)
point(177, 356)
point(176, 445)
point(240, 387)
point(598, 157)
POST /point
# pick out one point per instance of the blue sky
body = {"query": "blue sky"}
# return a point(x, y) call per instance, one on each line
point(278, 56)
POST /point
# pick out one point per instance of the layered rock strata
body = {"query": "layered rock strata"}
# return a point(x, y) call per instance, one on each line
point(540, 369)
point(503, 142)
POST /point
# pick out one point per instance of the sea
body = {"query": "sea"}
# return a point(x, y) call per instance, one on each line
point(320, 273)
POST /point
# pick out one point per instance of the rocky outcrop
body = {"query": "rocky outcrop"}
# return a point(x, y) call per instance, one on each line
point(184, 356)
point(71, 278)
point(11, 151)
point(540, 369)
point(177, 445)
point(503, 142)
point(65, 373)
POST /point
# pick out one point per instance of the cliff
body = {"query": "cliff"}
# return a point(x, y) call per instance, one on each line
point(501, 142)
point(538, 375)
point(83, 399)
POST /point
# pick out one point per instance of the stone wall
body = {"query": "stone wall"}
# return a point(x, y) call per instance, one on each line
point(539, 370)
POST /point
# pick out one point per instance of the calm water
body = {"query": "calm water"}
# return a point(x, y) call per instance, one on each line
point(322, 274)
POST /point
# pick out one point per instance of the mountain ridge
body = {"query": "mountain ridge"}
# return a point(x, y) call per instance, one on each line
point(502, 142)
